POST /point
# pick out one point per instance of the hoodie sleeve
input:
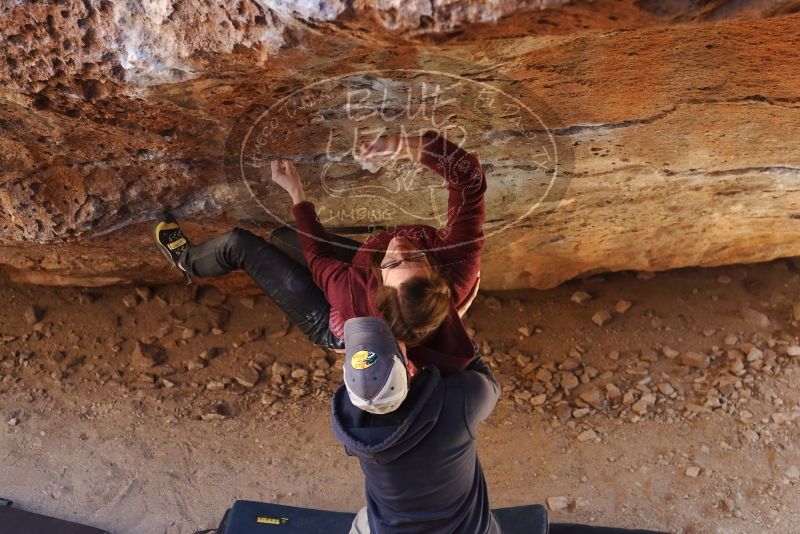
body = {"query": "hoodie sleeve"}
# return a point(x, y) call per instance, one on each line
point(461, 239)
point(481, 392)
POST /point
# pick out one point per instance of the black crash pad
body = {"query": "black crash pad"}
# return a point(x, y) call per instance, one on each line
point(15, 521)
point(250, 517)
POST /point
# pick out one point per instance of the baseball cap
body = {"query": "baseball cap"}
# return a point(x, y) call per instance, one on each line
point(374, 367)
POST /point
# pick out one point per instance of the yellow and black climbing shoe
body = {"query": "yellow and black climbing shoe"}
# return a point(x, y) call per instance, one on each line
point(172, 242)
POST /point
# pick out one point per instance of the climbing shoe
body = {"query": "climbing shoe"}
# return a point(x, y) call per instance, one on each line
point(172, 242)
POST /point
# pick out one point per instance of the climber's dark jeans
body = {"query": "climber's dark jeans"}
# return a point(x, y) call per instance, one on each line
point(279, 268)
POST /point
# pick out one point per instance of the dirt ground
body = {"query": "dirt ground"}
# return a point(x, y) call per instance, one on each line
point(150, 410)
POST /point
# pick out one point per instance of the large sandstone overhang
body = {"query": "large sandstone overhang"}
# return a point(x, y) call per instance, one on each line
point(615, 135)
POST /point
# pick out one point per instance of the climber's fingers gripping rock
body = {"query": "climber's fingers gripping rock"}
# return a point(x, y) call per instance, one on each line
point(285, 175)
point(387, 148)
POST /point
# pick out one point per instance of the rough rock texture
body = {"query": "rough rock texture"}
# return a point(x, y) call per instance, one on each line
point(622, 135)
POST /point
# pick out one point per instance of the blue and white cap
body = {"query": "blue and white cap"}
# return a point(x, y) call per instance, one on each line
point(375, 372)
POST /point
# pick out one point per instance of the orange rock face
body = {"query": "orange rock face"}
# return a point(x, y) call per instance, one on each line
point(615, 135)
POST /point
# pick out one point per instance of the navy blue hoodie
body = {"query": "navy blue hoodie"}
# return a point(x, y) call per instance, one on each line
point(420, 462)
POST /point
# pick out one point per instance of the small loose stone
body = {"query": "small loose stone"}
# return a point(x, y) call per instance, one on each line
point(570, 364)
point(613, 392)
point(755, 318)
point(600, 318)
point(33, 314)
point(215, 385)
point(557, 503)
point(538, 400)
point(594, 398)
point(569, 381)
point(247, 377)
point(254, 334)
point(280, 369)
point(577, 413)
point(642, 405)
point(755, 354)
point(666, 388)
point(299, 373)
point(147, 355)
point(579, 297)
point(649, 355)
point(694, 359)
point(196, 363)
point(670, 352)
point(145, 293)
point(622, 306)
point(543, 375)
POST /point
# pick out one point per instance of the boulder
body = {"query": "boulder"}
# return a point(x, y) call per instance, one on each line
point(612, 137)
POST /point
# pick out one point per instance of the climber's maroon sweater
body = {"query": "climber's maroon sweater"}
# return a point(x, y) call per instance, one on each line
point(455, 251)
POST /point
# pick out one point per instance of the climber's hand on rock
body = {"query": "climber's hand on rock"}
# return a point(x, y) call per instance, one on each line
point(285, 175)
point(387, 148)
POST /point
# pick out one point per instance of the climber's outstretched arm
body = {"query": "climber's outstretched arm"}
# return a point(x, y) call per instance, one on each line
point(331, 274)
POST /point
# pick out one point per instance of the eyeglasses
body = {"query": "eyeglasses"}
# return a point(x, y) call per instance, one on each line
point(417, 257)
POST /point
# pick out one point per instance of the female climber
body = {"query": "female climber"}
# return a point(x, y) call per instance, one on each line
point(420, 279)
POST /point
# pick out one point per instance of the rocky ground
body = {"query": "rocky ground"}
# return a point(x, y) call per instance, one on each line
point(667, 402)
